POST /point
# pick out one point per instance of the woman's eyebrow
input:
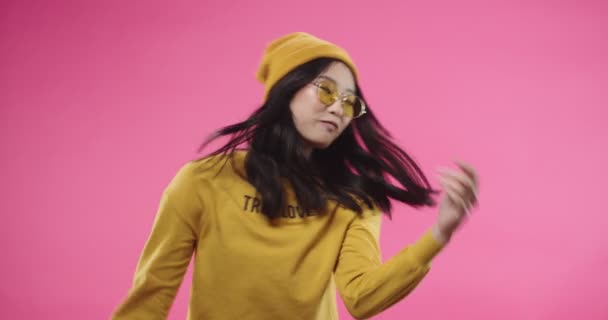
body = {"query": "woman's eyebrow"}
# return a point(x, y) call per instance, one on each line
point(334, 81)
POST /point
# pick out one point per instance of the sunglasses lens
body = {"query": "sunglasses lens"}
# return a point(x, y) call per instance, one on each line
point(351, 104)
point(327, 92)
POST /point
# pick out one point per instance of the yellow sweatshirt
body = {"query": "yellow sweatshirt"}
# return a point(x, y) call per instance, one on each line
point(246, 267)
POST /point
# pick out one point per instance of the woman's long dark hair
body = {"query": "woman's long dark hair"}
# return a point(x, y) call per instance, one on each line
point(353, 170)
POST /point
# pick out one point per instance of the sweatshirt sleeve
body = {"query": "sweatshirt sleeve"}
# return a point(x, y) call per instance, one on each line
point(368, 286)
point(166, 253)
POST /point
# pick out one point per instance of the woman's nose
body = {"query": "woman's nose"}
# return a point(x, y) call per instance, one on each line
point(336, 108)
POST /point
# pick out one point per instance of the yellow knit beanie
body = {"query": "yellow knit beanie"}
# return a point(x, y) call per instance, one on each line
point(289, 51)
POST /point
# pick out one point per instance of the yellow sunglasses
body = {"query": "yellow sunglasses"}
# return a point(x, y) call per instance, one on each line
point(352, 105)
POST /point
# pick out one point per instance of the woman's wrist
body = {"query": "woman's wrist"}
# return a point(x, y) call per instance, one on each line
point(440, 235)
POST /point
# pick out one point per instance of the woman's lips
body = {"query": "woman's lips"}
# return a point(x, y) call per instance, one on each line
point(330, 125)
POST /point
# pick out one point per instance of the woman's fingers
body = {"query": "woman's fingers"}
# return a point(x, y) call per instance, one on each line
point(471, 173)
point(465, 182)
point(462, 185)
point(455, 192)
point(468, 169)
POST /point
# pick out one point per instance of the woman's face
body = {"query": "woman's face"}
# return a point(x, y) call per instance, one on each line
point(317, 122)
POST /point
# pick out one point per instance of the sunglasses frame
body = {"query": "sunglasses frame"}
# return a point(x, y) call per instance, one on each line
point(336, 97)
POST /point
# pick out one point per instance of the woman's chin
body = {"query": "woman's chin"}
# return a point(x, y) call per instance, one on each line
point(318, 141)
point(321, 144)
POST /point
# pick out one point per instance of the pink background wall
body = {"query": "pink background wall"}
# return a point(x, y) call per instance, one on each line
point(102, 101)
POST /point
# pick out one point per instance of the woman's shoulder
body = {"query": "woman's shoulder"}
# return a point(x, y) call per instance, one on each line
point(214, 165)
point(197, 177)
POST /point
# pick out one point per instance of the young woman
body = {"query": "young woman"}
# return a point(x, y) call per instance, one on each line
point(289, 209)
